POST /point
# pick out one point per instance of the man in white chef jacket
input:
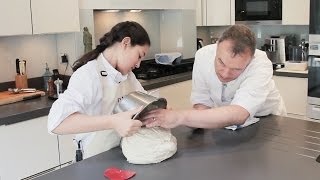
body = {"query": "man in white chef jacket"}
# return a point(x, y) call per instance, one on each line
point(231, 84)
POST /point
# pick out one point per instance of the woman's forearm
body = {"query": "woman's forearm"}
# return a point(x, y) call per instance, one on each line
point(80, 123)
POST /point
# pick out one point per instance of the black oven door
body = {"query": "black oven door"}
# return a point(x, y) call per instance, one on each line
point(314, 76)
point(314, 26)
point(258, 10)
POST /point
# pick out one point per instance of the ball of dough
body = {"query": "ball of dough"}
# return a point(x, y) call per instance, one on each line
point(149, 145)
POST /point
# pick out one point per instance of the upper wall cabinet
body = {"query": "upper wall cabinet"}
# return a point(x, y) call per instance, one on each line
point(137, 4)
point(199, 12)
point(218, 12)
point(15, 17)
point(295, 12)
point(215, 12)
point(47, 17)
point(56, 16)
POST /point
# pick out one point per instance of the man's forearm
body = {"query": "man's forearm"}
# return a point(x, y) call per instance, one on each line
point(215, 117)
point(200, 106)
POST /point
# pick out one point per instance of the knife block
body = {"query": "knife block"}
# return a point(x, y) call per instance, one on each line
point(21, 81)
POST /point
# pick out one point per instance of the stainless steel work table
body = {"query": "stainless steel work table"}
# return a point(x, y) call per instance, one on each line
point(277, 148)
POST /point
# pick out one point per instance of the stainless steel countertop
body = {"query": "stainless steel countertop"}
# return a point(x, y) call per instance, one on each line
point(274, 148)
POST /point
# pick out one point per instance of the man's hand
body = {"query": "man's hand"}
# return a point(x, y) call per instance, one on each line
point(165, 118)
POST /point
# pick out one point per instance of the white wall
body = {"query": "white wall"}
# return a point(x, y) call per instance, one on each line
point(150, 20)
point(178, 32)
point(36, 49)
point(72, 43)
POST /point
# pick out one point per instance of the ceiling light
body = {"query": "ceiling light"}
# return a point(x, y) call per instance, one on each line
point(112, 10)
point(135, 10)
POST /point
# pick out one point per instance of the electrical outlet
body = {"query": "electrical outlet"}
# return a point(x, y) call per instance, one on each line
point(64, 58)
point(259, 34)
point(303, 36)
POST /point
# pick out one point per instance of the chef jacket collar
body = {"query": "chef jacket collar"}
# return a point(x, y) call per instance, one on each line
point(111, 71)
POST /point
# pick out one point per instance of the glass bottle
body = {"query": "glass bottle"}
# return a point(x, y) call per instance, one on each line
point(50, 85)
point(46, 76)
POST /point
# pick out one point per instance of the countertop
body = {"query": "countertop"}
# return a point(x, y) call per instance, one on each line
point(290, 73)
point(26, 110)
point(274, 148)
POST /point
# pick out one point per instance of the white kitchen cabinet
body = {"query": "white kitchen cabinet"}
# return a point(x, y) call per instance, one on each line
point(137, 4)
point(218, 12)
point(38, 17)
point(215, 12)
point(15, 17)
point(199, 11)
point(55, 16)
point(177, 95)
point(27, 149)
point(295, 12)
point(67, 148)
point(294, 93)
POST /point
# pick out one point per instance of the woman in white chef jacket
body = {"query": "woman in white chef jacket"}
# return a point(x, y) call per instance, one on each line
point(101, 77)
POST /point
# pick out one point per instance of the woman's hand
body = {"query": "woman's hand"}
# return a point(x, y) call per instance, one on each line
point(124, 125)
point(165, 118)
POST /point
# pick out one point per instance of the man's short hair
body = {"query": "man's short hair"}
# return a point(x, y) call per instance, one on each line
point(242, 38)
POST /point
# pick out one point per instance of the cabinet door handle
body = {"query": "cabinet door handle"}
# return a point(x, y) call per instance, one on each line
point(316, 59)
point(316, 108)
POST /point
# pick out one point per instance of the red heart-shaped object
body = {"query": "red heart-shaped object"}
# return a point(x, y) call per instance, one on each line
point(114, 173)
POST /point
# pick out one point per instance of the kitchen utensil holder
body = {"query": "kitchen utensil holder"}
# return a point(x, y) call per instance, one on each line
point(21, 81)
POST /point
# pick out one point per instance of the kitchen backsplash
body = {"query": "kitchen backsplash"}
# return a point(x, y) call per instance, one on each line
point(150, 20)
point(261, 31)
point(37, 50)
point(169, 30)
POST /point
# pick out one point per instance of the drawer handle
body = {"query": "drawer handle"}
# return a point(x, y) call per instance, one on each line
point(316, 59)
point(316, 108)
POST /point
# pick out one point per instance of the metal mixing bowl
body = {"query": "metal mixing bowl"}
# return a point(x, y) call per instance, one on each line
point(137, 99)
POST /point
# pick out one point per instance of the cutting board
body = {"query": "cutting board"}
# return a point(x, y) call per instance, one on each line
point(7, 97)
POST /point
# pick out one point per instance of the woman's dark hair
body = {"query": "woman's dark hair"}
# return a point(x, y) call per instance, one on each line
point(134, 30)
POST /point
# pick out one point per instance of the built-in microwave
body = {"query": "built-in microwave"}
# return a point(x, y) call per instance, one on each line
point(258, 11)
